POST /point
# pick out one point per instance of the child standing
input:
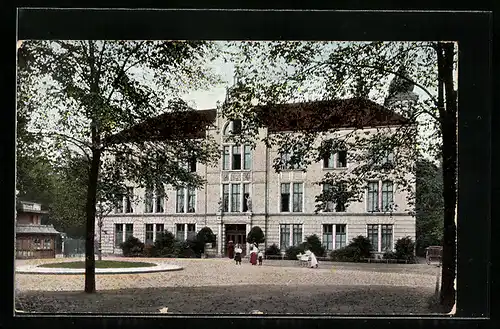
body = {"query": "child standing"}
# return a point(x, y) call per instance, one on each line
point(237, 256)
point(261, 255)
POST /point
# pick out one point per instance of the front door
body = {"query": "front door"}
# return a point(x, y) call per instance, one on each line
point(237, 234)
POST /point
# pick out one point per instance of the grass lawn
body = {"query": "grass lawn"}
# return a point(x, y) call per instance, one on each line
point(99, 264)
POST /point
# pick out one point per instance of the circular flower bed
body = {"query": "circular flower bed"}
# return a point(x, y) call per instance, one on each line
point(98, 264)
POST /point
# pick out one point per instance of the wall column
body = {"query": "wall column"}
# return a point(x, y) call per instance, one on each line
point(219, 238)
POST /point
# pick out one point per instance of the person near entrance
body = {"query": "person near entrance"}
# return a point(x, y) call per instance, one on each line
point(230, 249)
point(237, 256)
point(260, 255)
point(253, 256)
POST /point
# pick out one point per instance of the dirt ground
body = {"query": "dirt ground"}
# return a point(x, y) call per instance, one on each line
point(218, 286)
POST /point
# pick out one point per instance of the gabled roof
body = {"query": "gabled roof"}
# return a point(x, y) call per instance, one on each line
point(315, 115)
point(324, 115)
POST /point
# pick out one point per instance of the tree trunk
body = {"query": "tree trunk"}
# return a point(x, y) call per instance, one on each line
point(449, 154)
point(90, 224)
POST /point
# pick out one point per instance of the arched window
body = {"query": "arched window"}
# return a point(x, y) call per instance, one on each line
point(232, 128)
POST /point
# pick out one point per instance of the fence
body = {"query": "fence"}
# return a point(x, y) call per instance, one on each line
point(74, 247)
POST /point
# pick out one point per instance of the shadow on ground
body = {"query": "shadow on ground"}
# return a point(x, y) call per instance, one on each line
point(352, 300)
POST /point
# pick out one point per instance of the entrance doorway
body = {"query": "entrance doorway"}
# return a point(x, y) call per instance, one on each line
point(237, 234)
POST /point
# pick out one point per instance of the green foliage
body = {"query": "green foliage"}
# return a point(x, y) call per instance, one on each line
point(429, 210)
point(164, 245)
point(132, 247)
point(390, 255)
point(359, 248)
point(256, 236)
point(205, 235)
point(313, 243)
point(183, 249)
point(273, 250)
point(405, 249)
point(293, 251)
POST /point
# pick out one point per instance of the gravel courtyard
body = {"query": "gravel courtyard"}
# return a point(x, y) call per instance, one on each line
point(218, 286)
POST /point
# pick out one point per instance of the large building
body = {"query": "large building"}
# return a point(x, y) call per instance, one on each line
point(243, 189)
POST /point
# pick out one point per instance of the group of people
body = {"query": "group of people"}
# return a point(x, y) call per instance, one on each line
point(234, 252)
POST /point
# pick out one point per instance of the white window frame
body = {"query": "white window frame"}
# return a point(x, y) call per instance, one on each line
point(242, 157)
point(379, 199)
point(186, 200)
point(335, 156)
point(379, 236)
point(155, 230)
point(290, 234)
point(334, 235)
point(285, 165)
point(290, 201)
point(185, 229)
point(230, 199)
point(124, 233)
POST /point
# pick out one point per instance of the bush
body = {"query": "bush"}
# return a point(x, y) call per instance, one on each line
point(359, 248)
point(182, 249)
point(390, 255)
point(293, 251)
point(205, 235)
point(313, 244)
point(256, 236)
point(132, 247)
point(273, 250)
point(164, 245)
point(405, 249)
point(149, 251)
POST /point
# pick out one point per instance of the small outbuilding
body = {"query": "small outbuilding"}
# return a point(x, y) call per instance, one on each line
point(33, 240)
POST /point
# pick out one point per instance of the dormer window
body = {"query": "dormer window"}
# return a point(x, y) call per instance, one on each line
point(233, 128)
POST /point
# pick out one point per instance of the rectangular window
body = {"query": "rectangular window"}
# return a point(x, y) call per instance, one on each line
point(180, 200)
point(340, 236)
point(297, 197)
point(387, 195)
point(160, 228)
point(118, 235)
point(129, 230)
point(284, 236)
point(128, 200)
point(192, 165)
point(149, 234)
point(225, 158)
point(297, 234)
point(160, 201)
point(386, 238)
point(179, 232)
point(372, 197)
point(285, 197)
point(191, 200)
point(247, 161)
point(236, 163)
point(235, 197)
point(47, 244)
point(225, 197)
point(328, 161)
point(342, 159)
point(191, 231)
point(341, 198)
point(373, 236)
point(246, 196)
point(327, 188)
point(328, 236)
point(387, 157)
point(148, 200)
point(119, 204)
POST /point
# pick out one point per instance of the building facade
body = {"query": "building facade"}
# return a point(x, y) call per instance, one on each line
point(243, 190)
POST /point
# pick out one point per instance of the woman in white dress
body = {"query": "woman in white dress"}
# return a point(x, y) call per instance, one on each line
point(313, 260)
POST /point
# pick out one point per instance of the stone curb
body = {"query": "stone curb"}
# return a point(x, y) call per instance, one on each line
point(33, 269)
